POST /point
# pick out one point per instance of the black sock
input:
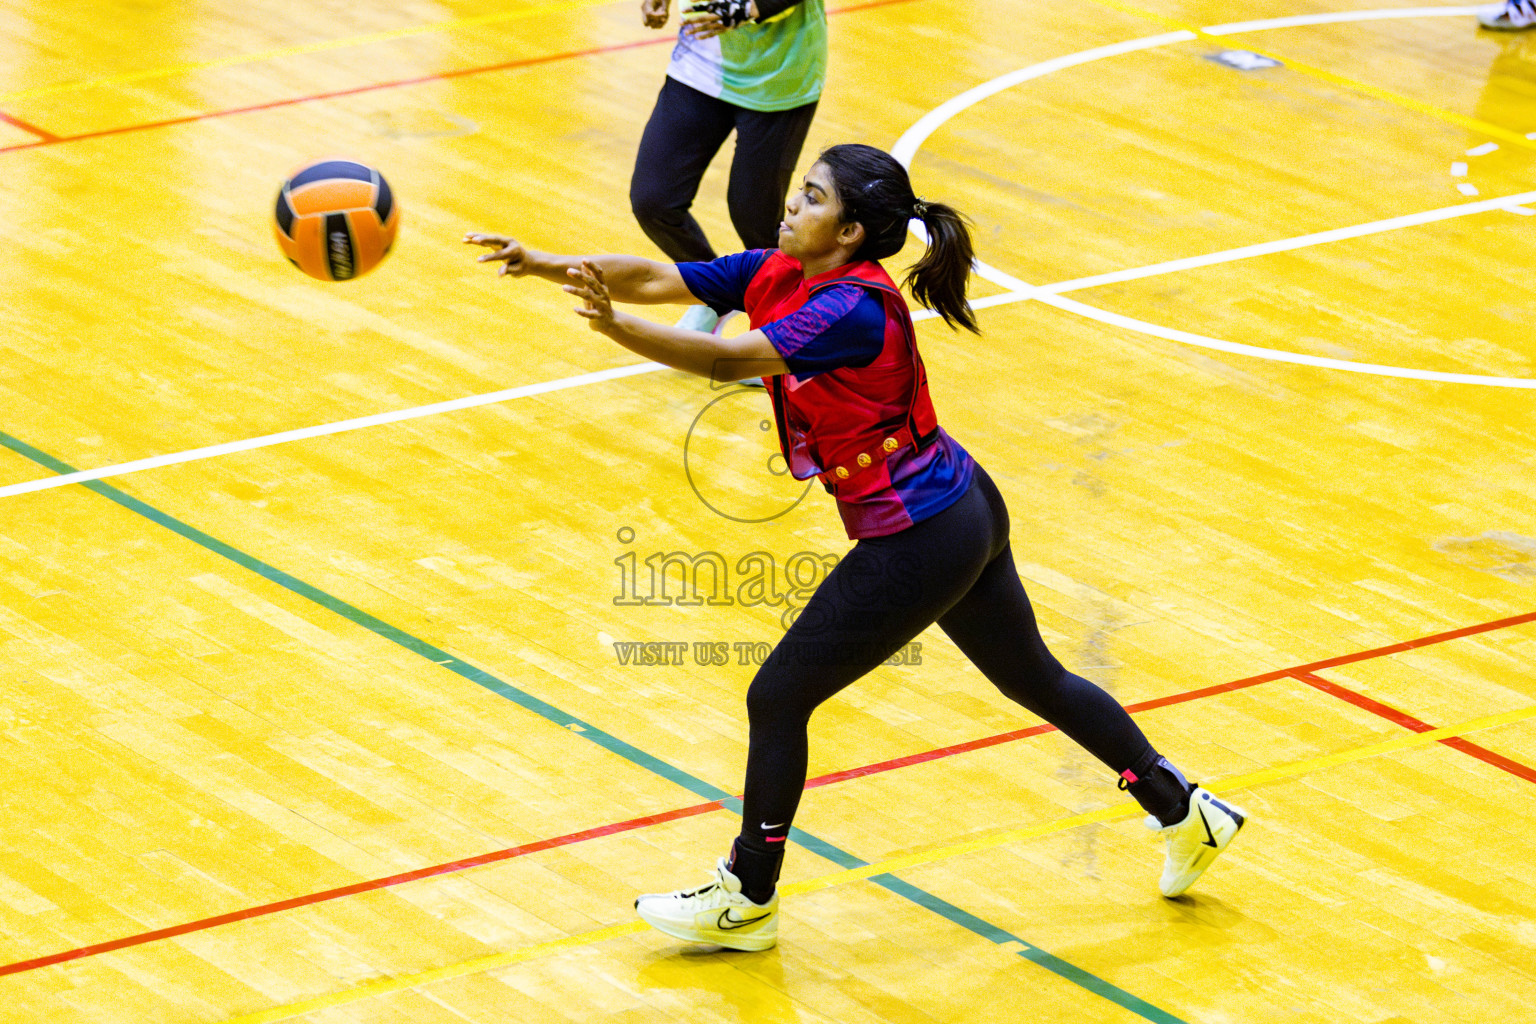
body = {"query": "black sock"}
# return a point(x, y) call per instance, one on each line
point(1160, 788)
point(757, 865)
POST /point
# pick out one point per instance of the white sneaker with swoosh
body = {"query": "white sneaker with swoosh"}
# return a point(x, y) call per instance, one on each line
point(1194, 842)
point(718, 912)
point(1510, 16)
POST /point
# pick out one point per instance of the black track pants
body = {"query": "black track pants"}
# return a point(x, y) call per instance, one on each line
point(955, 569)
point(686, 130)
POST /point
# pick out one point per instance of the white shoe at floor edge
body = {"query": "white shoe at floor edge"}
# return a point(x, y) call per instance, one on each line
point(1192, 844)
point(718, 329)
point(717, 912)
point(699, 318)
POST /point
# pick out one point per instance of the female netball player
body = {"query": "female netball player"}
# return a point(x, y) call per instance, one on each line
point(833, 336)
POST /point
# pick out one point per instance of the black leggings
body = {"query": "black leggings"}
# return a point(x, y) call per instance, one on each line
point(686, 130)
point(955, 569)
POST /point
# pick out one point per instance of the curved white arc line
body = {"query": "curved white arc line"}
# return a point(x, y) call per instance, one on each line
point(1040, 294)
point(985, 303)
point(1013, 284)
point(1277, 355)
point(1287, 244)
point(323, 430)
point(903, 150)
point(1299, 20)
point(915, 136)
point(907, 145)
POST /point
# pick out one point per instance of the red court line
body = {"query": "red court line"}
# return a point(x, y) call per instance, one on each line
point(1301, 673)
point(354, 91)
point(1179, 698)
point(358, 887)
point(1407, 721)
point(1034, 730)
point(17, 122)
point(46, 139)
point(1409, 645)
point(927, 755)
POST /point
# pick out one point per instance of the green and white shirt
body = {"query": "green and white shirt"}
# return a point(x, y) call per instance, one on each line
point(777, 65)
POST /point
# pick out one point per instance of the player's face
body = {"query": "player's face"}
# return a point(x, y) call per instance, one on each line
point(813, 217)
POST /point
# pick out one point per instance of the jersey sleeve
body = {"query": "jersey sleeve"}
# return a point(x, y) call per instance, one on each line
point(841, 326)
point(721, 284)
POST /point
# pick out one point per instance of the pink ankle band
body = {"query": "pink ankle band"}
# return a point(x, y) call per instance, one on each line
point(1129, 776)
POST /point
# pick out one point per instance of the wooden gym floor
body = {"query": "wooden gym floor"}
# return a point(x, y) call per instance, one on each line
point(347, 725)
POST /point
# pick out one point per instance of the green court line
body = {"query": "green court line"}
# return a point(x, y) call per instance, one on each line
point(480, 677)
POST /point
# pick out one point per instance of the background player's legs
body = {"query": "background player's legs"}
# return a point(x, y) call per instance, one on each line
point(686, 130)
point(768, 145)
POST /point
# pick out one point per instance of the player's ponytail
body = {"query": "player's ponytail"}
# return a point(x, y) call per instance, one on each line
point(874, 191)
point(938, 280)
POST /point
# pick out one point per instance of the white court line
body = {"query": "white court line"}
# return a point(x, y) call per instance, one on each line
point(1018, 292)
point(906, 147)
point(213, 451)
point(913, 137)
point(1503, 203)
point(1271, 354)
point(1299, 20)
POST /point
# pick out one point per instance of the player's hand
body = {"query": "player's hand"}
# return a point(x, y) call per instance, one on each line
point(704, 19)
point(509, 251)
point(654, 13)
point(590, 286)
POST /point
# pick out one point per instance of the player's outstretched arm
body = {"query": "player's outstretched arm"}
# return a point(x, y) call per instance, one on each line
point(630, 278)
point(699, 352)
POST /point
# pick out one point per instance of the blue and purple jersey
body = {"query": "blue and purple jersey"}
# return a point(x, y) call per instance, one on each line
point(843, 325)
point(853, 378)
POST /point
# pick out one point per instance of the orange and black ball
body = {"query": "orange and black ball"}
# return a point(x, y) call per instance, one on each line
point(336, 219)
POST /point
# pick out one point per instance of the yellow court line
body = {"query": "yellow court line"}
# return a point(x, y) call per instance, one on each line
point(476, 966)
point(172, 70)
point(491, 962)
point(1237, 782)
point(1374, 91)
